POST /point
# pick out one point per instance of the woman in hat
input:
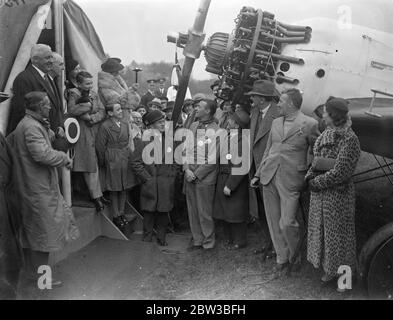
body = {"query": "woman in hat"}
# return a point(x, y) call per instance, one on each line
point(158, 179)
point(231, 199)
point(113, 89)
point(331, 226)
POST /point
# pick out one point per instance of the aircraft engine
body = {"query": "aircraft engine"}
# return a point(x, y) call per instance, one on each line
point(253, 50)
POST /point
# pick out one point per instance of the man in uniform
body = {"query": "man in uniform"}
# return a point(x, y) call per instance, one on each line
point(150, 94)
point(201, 175)
point(161, 90)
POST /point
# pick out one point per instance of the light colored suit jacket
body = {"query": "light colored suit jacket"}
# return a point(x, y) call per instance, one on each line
point(287, 155)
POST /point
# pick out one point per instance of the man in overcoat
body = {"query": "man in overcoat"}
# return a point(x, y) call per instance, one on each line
point(36, 77)
point(282, 172)
point(263, 112)
point(157, 194)
point(150, 94)
point(45, 215)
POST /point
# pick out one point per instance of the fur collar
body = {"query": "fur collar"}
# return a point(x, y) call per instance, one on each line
point(109, 81)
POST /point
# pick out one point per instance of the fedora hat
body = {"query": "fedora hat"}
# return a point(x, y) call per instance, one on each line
point(112, 65)
point(263, 88)
point(152, 116)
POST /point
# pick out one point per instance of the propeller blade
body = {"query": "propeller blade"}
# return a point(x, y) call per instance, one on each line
point(191, 52)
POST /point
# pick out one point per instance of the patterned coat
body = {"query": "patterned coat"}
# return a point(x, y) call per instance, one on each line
point(331, 226)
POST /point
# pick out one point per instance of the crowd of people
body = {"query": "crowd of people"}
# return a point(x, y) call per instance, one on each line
point(289, 154)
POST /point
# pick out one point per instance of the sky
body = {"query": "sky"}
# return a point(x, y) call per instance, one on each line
point(137, 29)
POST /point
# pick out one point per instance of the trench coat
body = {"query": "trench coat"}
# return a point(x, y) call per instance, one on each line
point(85, 152)
point(158, 180)
point(114, 154)
point(331, 225)
point(45, 216)
point(233, 209)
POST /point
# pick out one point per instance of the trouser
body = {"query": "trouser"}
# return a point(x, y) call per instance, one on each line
point(33, 260)
point(155, 219)
point(200, 200)
point(92, 180)
point(236, 233)
point(118, 203)
point(281, 207)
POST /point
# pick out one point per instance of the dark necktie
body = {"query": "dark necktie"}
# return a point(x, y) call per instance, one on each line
point(51, 85)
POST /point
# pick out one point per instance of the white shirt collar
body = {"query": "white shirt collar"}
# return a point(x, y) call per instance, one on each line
point(264, 111)
point(42, 74)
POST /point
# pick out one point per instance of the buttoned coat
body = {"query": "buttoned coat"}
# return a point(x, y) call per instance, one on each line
point(286, 156)
point(114, 155)
point(28, 81)
point(258, 146)
point(43, 209)
point(233, 208)
point(85, 150)
point(158, 180)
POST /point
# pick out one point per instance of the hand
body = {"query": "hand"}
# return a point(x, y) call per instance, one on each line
point(60, 132)
point(69, 163)
point(254, 182)
point(190, 176)
point(227, 191)
point(85, 104)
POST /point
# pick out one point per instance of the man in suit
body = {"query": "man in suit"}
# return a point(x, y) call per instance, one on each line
point(36, 77)
point(150, 94)
point(281, 172)
point(201, 175)
point(161, 90)
point(263, 112)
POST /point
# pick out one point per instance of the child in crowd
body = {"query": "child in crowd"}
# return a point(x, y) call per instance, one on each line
point(84, 104)
point(113, 151)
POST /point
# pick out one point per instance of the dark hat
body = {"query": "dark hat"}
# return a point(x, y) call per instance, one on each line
point(3, 96)
point(169, 107)
point(161, 80)
point(152, 117)
point(242, 118)
point(337, 108)
point(112, 65)
point(263, 88)
point(215, 83)
point(163, 98)
point(151, 81)
point(154, 103)
point(72, 64)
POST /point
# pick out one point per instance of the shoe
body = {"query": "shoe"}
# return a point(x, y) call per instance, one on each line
point(118, 222)
point(124, 219)
point(56, 283)
point(105, 201)
point(162, 243)
point(237, 246)
point(279, 269)
point(98, 204)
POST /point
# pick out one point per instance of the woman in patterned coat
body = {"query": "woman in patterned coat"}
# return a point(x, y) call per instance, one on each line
point(331, 226)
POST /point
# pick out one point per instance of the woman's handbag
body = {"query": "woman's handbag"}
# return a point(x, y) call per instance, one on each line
point(323, 164)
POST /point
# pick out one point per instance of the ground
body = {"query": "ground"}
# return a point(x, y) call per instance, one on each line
point(111, 269)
